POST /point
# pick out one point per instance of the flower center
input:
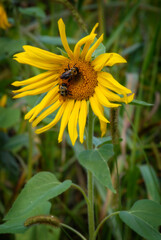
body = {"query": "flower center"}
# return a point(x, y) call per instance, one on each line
point(77, 80)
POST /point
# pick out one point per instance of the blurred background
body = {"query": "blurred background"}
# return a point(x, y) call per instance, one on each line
point(132, 29)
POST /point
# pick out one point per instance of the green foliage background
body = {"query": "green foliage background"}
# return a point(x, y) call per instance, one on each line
point(132, 29)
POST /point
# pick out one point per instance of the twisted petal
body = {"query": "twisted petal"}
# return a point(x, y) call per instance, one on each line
point(63, 37)
point(87, 44)
point(82, 119)
point(54, 122)
point(72, 124)
point(106, 59)
point(103, 100)
point(96, 107)
point(106, 80)
point(89, 38)
point(93, 48)
point(65, 118)
point(114, 97)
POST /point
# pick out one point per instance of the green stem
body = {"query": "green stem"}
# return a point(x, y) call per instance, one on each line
point(73, 230)
point(103, 221)
point(82, 191)
point(90, 185)
point(30, 150)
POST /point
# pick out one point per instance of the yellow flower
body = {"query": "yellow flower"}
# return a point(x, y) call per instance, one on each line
point(71, 84)
point(3, 100)
point(3, 18)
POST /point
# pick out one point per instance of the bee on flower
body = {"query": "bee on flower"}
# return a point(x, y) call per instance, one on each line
point(4, 24)
point(71, 84)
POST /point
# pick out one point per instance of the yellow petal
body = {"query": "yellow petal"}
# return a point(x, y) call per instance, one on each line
point(63, 37)
point(96, 108)
point(107, 80)
point(46, 56)
point(54, 122)
point(93, 48)
point(87, 44)
point(94, 28)
point(82, 119)
point(34, 79)
point(46, 101)
point(114, 97)
point(36, 91)
point(89, 38)
point(36, 62)
point(65, 118)
point(103, 100)
point(103, 125)
point(72, 124)
point(3, 18)
point(106, 59)
point(47, 112)
point(36, 85)
point(3, 100)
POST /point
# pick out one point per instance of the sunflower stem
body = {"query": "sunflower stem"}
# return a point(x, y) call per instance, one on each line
point(115, 141)
point(91, 222)
point(30, 151)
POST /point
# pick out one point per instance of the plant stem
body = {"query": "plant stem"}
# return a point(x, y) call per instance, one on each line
point(90, 185)
point(73, 230)
point(82, 191)
point(30, 150)
point(103, 221)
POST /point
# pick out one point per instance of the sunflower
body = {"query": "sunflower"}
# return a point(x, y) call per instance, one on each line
point(71, 83)
point(3, 18)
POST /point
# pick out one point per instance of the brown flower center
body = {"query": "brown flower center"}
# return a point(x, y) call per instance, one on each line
point(77, 80)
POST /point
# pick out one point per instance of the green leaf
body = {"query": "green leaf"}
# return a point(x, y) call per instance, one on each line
point(9, 117)
point(15, 143)
point(144, 218)
point(40, 232)
point(55, 40)
point(141, 103)
point(11, 46)
point(96, 161)
point(16, 225)
point(151, 182)
point(99, 141)
point(32, 199)
point(32, 11)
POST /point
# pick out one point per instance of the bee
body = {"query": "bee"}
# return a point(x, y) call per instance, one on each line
point(63, 90)
point(69, 73)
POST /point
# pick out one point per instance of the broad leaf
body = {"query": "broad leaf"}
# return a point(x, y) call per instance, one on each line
point(151, 182)
point(15, 143)
point(96, 161)
point(144, 218)
point(10, 46)
point(9, 117)
point(40, 232)
point(99, 141)
point(31, 201)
